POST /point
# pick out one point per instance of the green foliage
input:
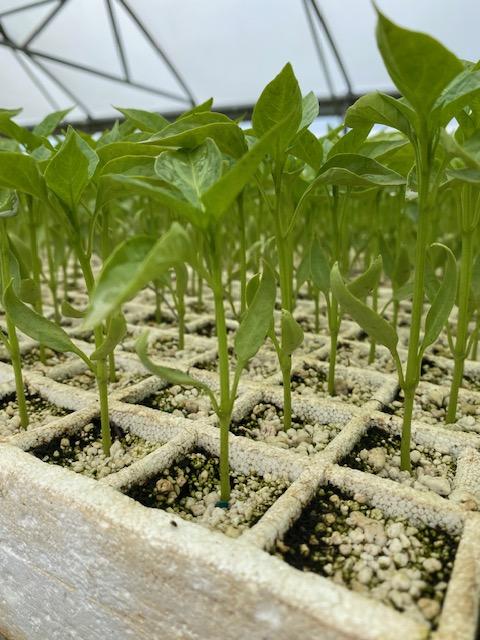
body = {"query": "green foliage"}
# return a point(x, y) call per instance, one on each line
point(69, 171)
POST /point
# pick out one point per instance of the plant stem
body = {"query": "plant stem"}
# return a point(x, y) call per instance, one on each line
point(373, 345)
point(106, 250)
point(462, 324)
point(406, 429)
point(412, 375)
point(158, 303)
point(12, 333)
point(101, 366)
point(285, 273)
point(332, 308)
point(225, 405)
point(243, 255)
point(35, 268)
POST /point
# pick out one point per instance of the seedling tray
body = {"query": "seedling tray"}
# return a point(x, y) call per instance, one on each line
point(82, 559)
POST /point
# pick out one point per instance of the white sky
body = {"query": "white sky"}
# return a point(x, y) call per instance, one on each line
point(228, 49)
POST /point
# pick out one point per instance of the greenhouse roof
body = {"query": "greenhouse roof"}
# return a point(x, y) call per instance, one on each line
point(166, 55)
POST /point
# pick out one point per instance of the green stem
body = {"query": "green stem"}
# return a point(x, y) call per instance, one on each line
point(406, 429)
point(285, 272)
point(371, 355)
point(412, 376)
point(243, 256)
point(316, 300)
point(14, 349)
point(101, 367)
point(462, 323)
point(224, 373)
point(476, 336)
point(332, 309)
point(36, 268)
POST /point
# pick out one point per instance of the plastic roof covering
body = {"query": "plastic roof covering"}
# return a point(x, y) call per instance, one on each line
point(228, 49)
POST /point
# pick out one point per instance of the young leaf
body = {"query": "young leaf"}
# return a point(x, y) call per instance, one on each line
point(48, 125)
point(366, 282)
point(174, 376)
point(181, 279)
point(131, 267)
point(418, 64)
point(38, 327)
point(144, 120)
point(280, 98)
point(70, 170)
point(114, 186)
point(292, 333)
point(20, 172)
point(319, 268)
point(254, 327)
point(443, 302)
point(376, 108)
point(307, 147)
point(456, 95)
point(310, 109)
point(191, 172)
point(117, 330)
point(222, 194)
point(370, 321)
point(354, 170)
point(71, 312)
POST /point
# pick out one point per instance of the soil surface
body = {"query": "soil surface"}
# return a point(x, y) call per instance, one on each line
point(40, 413)
point(265, 423)
point(82, 452)
point(179, 401)
point(378, 452)
point(431, 404)
point(343, 538)
point(307, 379)
point(190, 488)
point(86, 380)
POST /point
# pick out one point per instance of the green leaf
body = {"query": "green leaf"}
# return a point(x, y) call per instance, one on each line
point(130, 166)
point(116, 150)
point(115, 186)
point(48, 125)
point(368, 281)
point(181, 279)
point(254, 326)
point(38, 327)
point(307, 147)
point(351, 141)
point(223, 193)
point(192, 131)
point(29, 291)
point(191, 172)
point(354, 170)
point(20, 172)
point(174, 376)
point(377, 108)
point(280, 98)
point(70, 169)
point(132, 265)
point(68, 311)
point(443, 302)
point(319, 268)
point(199, 108)
point(292, 333)
point(144, 120)
point(418, 64)
point(455, 96)
point(117, 329)
point(310, 109)
point(8, 203)
point(251, 290)
point(370, 321)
